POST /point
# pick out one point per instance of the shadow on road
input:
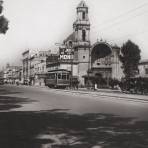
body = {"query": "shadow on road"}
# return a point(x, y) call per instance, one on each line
point(59, 129)
point(8, 102)
point(4, 91)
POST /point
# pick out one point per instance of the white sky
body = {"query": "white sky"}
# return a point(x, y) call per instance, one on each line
point(39, 24)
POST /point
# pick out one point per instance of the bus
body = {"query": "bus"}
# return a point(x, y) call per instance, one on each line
point(58, 78)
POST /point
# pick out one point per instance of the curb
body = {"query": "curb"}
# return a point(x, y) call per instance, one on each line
point(105, 94)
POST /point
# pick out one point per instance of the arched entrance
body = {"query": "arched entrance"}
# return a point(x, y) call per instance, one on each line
point(100, 50)
point(101, 69)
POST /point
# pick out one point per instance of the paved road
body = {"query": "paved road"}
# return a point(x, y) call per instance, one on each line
point(33, 117)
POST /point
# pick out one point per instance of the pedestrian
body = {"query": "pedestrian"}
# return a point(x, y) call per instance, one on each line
point(95, 88)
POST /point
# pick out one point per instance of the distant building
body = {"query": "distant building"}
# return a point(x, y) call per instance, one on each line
point(12, 74)
point(34, 67)
point(38, 67)
point(26, 67)
point(143, 68)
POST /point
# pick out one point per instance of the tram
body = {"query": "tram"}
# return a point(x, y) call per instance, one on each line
point(58, 78)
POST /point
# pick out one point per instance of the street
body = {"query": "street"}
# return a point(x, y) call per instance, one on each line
point(39, 117)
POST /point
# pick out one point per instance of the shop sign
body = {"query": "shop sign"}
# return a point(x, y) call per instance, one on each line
point(66, 54)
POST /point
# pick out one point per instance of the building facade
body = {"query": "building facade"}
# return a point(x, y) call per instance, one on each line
point(143, 68)
point(12, 74)
point(38, 67)
point(74, 54)
point(87, 61)
point(26, 67)
point(34, 67)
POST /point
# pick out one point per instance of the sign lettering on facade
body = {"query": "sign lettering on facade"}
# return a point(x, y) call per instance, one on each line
point(66, 57)
point(66, 54)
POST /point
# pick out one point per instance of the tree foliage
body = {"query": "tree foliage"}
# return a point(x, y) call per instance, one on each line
point(130, 57)
point(3, 20)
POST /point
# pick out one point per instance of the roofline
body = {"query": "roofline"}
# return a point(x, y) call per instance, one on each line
point(58, 70)
point(101, 42)
point(143, 61)
point(26, 51)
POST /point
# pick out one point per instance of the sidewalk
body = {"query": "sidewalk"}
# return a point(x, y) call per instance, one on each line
point(100, 92)
point(108, 93)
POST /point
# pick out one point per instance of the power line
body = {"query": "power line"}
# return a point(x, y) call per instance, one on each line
point(122, 21)
point(124, 14)
point(135, 34)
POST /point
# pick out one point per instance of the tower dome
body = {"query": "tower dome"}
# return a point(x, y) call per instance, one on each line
point(82, 4)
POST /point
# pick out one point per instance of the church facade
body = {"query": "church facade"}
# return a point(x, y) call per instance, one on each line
point(86, 61)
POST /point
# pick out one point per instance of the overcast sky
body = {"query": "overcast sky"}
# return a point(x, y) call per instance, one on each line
point(39, 24)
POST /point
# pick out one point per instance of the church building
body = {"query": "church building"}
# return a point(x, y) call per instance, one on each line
point(87, 62)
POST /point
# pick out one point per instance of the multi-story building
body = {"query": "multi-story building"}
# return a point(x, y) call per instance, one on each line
point(38, 67)
point(34, 67)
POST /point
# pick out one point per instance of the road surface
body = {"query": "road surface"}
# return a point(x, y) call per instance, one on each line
point(35, 117)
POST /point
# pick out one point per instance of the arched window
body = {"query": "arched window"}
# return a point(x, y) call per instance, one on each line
point(83, 35)
point(70, 43)
point(83, 15)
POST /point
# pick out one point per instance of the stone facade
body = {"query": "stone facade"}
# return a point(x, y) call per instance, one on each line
point(107, 65)
point(80, 39)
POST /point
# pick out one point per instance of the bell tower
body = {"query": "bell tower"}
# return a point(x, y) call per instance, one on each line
point(82, 25)
point(81, 28)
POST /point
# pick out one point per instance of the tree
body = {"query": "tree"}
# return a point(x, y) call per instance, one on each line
point(130, 57)
point(3, 20)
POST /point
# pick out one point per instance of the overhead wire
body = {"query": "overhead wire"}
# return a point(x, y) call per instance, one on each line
point(118, 18)
point(131, 35)
point(123, 21)
point(123, 14)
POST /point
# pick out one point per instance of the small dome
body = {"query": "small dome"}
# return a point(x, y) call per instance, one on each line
point(71, 37)
point(82, 4)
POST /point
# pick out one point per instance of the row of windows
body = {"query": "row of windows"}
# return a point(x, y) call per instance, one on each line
point(63, 76)
point(41, 68)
